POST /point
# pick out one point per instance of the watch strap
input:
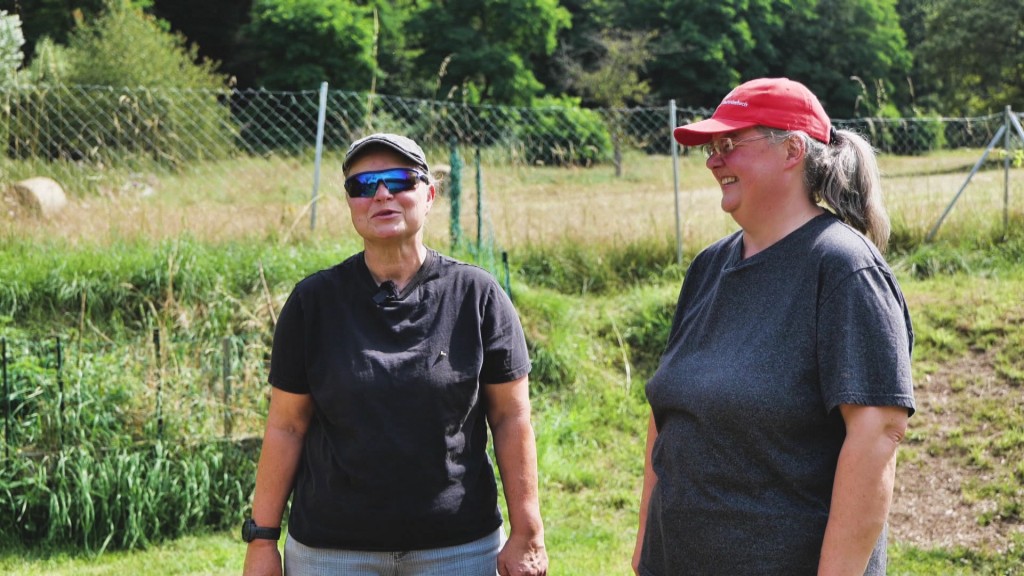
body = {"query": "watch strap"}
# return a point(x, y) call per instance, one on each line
point(252, 531)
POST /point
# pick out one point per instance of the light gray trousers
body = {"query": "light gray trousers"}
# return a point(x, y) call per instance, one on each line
point(477, 558)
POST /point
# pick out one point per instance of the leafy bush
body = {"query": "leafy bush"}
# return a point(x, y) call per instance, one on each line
point(560, 133)
point(50, 64)
point(893, 133)
point(178, 117)
point(915, 136)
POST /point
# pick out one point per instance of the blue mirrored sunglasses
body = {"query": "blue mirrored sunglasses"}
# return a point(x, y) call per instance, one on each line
point(365, 184)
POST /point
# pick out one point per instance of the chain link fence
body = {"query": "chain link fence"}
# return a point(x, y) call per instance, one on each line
point(99, 139)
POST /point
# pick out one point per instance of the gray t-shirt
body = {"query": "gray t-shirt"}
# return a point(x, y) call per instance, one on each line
point(761, 353)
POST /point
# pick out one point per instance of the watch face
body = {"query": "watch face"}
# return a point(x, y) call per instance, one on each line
point(247, 529)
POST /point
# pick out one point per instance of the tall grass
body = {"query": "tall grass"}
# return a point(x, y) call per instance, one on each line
point(126, 282)
point(123, 498)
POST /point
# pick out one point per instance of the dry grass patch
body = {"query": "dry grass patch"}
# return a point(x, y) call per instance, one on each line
point(521, 205)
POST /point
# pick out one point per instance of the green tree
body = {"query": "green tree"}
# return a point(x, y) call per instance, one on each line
point(302, 43)
point(485, 48)
point(578, 43)
point(55, 19)
point(847, 40)
point(162, 104)
point(921, 92)
point(11, 41)
point(215, 28)
point(397, 72)
point(972, 54)
point(703, 49)
point(614, 81)
point(126, 47)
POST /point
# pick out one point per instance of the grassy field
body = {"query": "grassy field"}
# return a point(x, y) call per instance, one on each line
point(595, 280)
point(522, 205)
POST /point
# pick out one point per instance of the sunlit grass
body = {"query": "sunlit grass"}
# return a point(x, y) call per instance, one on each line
point(271, 198)
point(208, 554)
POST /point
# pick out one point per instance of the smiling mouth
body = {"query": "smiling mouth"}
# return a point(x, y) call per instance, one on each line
point(728, 180)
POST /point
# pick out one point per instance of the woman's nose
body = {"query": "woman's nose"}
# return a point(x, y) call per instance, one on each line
point(382, 185)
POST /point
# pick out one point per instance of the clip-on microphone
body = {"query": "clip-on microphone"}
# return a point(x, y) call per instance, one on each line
point(388, 292)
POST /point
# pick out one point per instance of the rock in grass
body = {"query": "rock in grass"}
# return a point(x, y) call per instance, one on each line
point(39, 196)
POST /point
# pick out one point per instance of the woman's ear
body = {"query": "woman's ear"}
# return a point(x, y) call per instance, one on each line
point(796, 149)
point(431, 193)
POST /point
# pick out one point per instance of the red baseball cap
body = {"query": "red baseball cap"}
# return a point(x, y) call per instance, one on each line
point(772, 102)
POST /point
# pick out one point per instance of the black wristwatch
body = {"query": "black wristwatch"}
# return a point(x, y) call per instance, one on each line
point(250, 531)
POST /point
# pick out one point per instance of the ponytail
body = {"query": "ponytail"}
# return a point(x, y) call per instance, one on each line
point(845, 176)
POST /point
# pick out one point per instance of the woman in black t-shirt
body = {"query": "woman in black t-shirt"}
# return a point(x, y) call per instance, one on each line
point(387, 370)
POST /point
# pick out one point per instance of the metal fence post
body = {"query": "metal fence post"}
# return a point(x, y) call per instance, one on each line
point(60, 392)
point(225, 350)
point(675, 178)
point(159, 385)
point(7, 398)
point(456, 195)
point(1006, 175)
point(479, 207)
point(320, 120)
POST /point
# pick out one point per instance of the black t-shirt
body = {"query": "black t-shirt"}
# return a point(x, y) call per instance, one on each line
point(395, 456)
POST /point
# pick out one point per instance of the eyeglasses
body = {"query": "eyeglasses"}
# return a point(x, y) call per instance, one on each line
point(724, 146)
point(365, 184)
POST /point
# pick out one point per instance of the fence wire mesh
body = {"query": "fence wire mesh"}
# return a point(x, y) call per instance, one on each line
point(100, 139)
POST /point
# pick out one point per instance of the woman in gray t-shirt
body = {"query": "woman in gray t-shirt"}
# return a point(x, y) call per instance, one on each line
point(785, 386)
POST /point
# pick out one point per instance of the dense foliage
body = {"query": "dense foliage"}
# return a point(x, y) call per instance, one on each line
point(947, 56)
point(11, 41)
point(121, 48)
point(484, 51)
point(302, 43)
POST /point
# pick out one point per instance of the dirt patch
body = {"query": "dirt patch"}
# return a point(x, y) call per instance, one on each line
point(930, 509)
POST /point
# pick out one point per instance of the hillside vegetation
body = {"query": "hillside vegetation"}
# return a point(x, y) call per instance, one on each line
point(152, 443)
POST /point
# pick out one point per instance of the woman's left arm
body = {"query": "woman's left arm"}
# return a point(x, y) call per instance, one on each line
point(862, 490)
point(508, 412)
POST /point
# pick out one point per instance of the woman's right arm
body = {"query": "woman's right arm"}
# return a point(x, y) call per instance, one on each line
point(645, 497)
point(287, 422)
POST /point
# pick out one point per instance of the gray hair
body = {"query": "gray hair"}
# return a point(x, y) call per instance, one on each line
point(844, 175)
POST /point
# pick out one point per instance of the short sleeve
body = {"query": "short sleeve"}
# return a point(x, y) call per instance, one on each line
point(288, 354)
point(865, 339)
point(506, 357)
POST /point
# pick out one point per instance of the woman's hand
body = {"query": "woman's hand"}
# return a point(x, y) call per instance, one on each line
point(262, 558)
point(523, 557)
